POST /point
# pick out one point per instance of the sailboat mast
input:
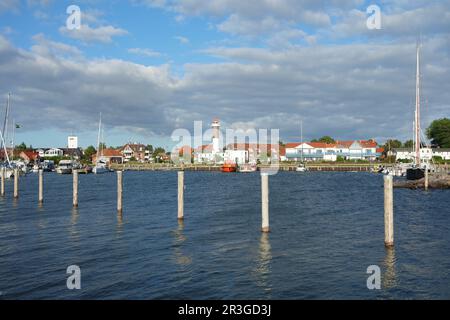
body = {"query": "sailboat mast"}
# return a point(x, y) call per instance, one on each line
point(417, 113)
point(301, 136)
point(98, 137)
point(5, 122)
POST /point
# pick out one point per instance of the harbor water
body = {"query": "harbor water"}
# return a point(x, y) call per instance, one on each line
point(326, 230)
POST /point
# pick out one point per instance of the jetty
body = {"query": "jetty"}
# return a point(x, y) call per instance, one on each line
point(327, 167)
point(435, 181)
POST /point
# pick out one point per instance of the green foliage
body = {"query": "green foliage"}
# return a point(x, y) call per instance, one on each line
point(340, 159)
point(439, 132)
point(391, 144)
point(324, 139)
point(88, 153)
point(159, 151)
point(408, 144)
point(21, 147)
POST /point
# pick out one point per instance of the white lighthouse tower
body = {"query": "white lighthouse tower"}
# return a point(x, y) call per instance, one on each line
point(216, 136)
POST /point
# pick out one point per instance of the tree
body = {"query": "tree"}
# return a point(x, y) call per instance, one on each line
point(102, 145)
point(439, 132)
point(150, 148)
point(392, 144)
point(21, 147)
point(89, 152)
point(325, 139)
point(159, 151)
point(408, 144)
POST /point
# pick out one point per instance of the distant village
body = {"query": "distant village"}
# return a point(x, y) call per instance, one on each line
point(322, 150)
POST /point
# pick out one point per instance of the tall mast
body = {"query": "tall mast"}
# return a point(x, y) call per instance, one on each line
point(417, 113)
point(301, 136)
point(98, 137)
point(5, 122)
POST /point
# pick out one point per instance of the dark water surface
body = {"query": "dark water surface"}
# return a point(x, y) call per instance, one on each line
point(327, 228)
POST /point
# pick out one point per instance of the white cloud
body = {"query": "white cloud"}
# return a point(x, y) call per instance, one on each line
point(347, 91)
point(9, 5)
point(145, 52)
point(86, 34)
point(182, 40)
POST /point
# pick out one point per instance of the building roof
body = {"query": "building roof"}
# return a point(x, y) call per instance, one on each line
point(338, 144)
point(111, 153)
point(31, 155)
point(135, 147)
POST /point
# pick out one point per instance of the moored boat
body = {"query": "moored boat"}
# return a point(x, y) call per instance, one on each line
point(247, 168)
point(65, 167)
point(229, 167)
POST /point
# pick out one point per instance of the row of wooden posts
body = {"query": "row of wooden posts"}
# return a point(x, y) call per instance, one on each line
point(388, 198)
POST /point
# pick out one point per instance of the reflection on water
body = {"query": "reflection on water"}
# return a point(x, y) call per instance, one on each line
point(389, 277)
point(73, 230)
point(263, 269)
point(119, 228)
point(180, 258)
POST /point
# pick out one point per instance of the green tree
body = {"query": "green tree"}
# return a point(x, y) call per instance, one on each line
point(439, 132)
point(159, 151)
point(408, 144)
point(392, 144)
point(325, 139)
point(21, 147)
point(89, 152)
point(150, 148)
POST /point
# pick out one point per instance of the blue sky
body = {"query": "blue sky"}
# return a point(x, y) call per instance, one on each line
point(153, 66)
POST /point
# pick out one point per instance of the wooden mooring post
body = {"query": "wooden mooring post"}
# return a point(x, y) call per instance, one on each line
point(41, 187)
point(388, 211)
point(16, 183)
point(3, 176)
point(75, 188)
point(180, 195)
point(426, 183)
point(265, 202)
point(119, 191)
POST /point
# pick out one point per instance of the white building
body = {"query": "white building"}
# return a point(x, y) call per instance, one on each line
point(72, 142)
point(50, 153)
point(425, 153)
point(236, 156)
point(348, 150)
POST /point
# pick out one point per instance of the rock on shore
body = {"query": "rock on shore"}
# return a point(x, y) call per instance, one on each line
point(434, 182)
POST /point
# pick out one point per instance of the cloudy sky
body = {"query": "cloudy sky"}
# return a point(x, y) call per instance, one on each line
point(152, 66)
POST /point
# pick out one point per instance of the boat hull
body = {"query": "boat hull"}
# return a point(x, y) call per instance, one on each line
point(415, 174)
point(100, 170)
point(64, 171)
point(229, 168)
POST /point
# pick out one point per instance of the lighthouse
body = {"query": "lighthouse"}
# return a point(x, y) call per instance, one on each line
point(215, 126)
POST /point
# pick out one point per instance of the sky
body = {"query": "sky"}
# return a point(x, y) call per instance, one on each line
point(154, 66)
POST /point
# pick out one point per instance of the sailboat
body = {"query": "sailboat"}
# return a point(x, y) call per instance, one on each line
point(301, 167)
point(417, 170)
point(100, 164)
point(6, 165)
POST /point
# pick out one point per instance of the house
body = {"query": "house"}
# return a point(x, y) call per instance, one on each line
point(29, 156)
point(135, 151)
point(74, 153)
point(109, 156)
point(50, 153)
point(425, 153)
point(318, 151)
point(265, 153)
point(207, 154)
